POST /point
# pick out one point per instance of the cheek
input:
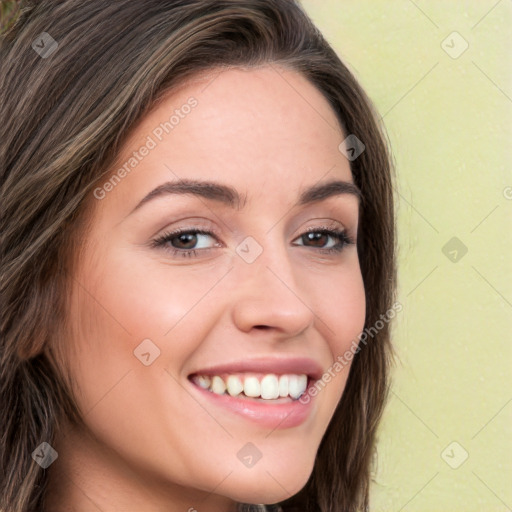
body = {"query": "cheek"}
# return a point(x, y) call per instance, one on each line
point(150, 296)
point(339, 302)
point(338, 299)
point(125, 299)
point(141, 297)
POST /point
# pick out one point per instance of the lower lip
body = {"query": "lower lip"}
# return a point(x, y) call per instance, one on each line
point(274, 416)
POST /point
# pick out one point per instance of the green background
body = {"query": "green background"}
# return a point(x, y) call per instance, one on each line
point(448, 118)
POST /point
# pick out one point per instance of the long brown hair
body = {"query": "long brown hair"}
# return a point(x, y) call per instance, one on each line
point(64, 116)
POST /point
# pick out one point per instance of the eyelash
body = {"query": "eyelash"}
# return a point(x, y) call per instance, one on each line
point(162, 240)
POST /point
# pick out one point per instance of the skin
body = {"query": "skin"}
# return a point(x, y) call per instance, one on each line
point(149, 444)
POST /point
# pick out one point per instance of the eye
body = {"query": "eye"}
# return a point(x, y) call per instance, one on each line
point(188, 242)
point(185, 242)
point(328, 241)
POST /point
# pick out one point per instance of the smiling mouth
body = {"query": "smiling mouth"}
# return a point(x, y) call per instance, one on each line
point(267, 391)
point(257, 387)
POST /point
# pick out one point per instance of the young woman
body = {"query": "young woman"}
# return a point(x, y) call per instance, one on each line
point(198, 237)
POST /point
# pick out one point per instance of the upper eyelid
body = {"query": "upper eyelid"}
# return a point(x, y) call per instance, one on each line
point(327, 223)
point(209, 230)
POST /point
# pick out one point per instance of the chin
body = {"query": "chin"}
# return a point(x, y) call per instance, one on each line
point(265, 486)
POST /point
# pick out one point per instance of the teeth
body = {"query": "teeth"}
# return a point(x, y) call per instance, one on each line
point(297, 385)
point(204, 381)
point(234, 385)
point(283, 385)
point(252, 387)
point(218, 385)
point(268, 387)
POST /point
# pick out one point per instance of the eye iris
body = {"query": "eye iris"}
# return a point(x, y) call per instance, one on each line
point(315, 237)
point(188, 239)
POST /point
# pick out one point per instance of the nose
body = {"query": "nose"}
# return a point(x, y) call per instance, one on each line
point(267, 296)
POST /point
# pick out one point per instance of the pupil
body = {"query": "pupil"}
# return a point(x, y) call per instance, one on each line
point(315, 237)
point(187, 238)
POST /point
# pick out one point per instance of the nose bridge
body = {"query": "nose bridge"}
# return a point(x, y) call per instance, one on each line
point(267, 292)
point(265, 262)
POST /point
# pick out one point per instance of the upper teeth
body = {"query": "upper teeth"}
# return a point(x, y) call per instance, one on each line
point(268, 386)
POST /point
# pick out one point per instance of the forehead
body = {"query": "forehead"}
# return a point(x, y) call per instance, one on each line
point(256, 128)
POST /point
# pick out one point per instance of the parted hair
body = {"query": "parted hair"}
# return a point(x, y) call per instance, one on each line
point(63, 120)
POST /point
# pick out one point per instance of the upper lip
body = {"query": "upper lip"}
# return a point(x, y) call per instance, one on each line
point(279, 365)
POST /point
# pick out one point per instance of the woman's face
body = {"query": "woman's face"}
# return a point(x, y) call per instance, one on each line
point(251, 299)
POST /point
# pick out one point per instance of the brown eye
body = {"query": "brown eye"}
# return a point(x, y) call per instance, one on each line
point(318, 239)
point(322, 239)
point(186, 242)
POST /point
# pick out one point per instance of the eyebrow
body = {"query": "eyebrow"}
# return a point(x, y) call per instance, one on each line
point(229, 196)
